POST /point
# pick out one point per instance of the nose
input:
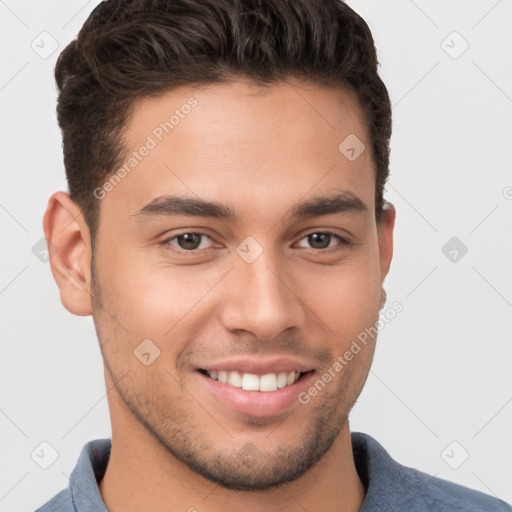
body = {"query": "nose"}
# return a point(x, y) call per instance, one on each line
point(260, 298)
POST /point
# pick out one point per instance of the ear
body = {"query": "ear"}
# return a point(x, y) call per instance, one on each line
point(68, 240)
point(385, 233)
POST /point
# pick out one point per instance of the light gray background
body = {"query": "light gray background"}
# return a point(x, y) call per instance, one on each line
point(442, 367)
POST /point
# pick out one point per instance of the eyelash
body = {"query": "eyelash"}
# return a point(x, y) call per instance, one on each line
point(165, 243)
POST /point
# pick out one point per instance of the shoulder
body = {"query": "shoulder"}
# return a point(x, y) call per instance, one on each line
point(439, 494)
point(393, 486)
point(61, 502)
point(82, 492)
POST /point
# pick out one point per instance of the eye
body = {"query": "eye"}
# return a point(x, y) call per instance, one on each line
point(186, 243)
point(321, 240)
point(191, 243)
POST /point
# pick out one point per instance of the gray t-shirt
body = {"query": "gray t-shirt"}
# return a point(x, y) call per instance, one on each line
point(390, 486)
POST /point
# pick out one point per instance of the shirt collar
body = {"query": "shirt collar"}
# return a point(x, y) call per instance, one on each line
point(89, 470)
point(378, 472)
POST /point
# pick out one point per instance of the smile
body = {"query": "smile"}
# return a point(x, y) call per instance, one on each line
point(252, 382)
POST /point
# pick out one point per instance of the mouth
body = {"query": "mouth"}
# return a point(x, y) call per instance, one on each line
point(253, 382)
point(263, 395)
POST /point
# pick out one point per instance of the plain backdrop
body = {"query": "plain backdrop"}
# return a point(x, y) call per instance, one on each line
point(439, 395)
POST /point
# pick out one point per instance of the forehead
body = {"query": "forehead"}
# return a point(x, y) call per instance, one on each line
point(246, 145)
point(247, 113)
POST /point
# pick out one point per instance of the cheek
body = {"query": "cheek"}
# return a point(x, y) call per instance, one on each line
point(152, 298)
point(345, 297)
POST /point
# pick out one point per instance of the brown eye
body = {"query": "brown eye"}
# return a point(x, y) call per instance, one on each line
point(322, 240)
point(189, 241)
point(319, 240)
point(184, 243)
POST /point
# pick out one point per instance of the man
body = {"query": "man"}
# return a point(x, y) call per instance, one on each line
point(227, 230)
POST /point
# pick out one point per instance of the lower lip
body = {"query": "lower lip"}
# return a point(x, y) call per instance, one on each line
point(257, 403)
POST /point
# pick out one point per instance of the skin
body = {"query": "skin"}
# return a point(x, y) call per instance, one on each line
point(258, 150)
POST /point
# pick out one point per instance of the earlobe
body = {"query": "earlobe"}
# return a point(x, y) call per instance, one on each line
point(385, 230)
point(70, 256)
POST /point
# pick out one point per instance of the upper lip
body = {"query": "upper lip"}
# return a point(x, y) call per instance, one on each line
point(259, 366)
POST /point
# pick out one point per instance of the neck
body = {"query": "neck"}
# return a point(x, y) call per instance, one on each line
point(142, 475)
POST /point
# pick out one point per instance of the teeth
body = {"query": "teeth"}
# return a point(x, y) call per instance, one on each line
point(282, 380)
point(268, 382)
point(252, 382)
point(235, 379)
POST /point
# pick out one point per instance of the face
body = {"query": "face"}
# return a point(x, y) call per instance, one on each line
point(266, 289)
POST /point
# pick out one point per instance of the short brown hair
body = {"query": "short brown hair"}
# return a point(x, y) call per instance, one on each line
point(129, 49)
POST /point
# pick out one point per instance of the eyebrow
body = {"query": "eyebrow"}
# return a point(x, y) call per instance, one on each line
point(171, 205)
